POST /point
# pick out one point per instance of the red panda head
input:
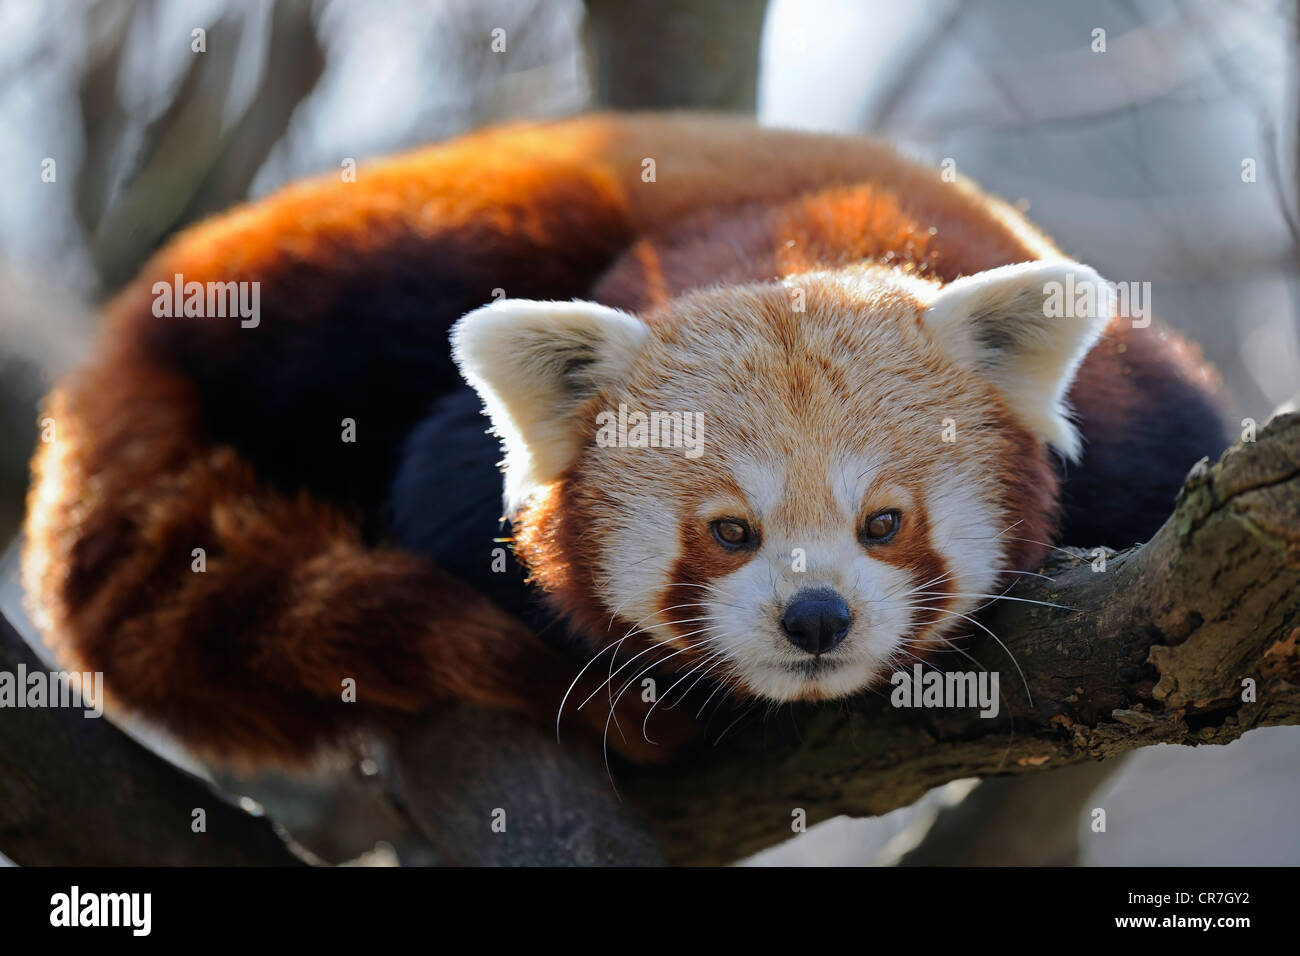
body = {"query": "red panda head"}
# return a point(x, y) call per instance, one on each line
point(795, 485)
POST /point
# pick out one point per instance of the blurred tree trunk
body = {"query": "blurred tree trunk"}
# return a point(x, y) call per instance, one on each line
point(201, 154)
point(1014, 821)
point(667, 54)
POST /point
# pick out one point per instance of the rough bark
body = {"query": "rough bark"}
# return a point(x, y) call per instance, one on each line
point(1153, 649)
point(496, 790)
point(75, 790)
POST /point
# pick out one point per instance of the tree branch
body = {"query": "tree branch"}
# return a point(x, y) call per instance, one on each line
point(77, 791)
point(1153, 649)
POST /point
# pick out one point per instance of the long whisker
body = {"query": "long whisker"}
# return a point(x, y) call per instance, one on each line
point(642, 653)
point(690, 646)
point(952, 648)
point(1031, 574)
point(645, 723)
point(727, 729)
point(704, 674)
point(1011, 717)
point(692, 584)
point(675, 607)
point(1051, 547)
point(993, 597)
point(925, 584)
point(560, 713)
point(605, 740)
point(721, 685)
point(1004, 647)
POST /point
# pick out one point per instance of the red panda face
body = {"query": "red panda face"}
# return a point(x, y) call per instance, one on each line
point(792, 487)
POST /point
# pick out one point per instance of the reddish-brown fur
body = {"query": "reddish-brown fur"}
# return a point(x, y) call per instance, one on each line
point(189, 433)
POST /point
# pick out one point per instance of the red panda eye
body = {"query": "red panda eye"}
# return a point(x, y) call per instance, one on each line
point(880, 527)
point(732, 533)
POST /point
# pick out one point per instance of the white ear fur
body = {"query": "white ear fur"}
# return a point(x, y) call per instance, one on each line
point(533, 364)
point(1027, 327)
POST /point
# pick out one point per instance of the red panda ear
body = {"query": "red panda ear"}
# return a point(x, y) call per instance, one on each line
point(534, 364)
point(1027, 328)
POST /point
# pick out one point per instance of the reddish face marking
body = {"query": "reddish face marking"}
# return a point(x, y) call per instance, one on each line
point(912, 549)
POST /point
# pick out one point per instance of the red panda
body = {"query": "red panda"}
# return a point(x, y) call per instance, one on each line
point(880, 423)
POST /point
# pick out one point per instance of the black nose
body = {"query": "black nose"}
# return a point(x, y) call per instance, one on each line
point(816, 620)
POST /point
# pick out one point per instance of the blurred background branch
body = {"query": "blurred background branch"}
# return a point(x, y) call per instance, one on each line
point(201, 153)
point(675, 54)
